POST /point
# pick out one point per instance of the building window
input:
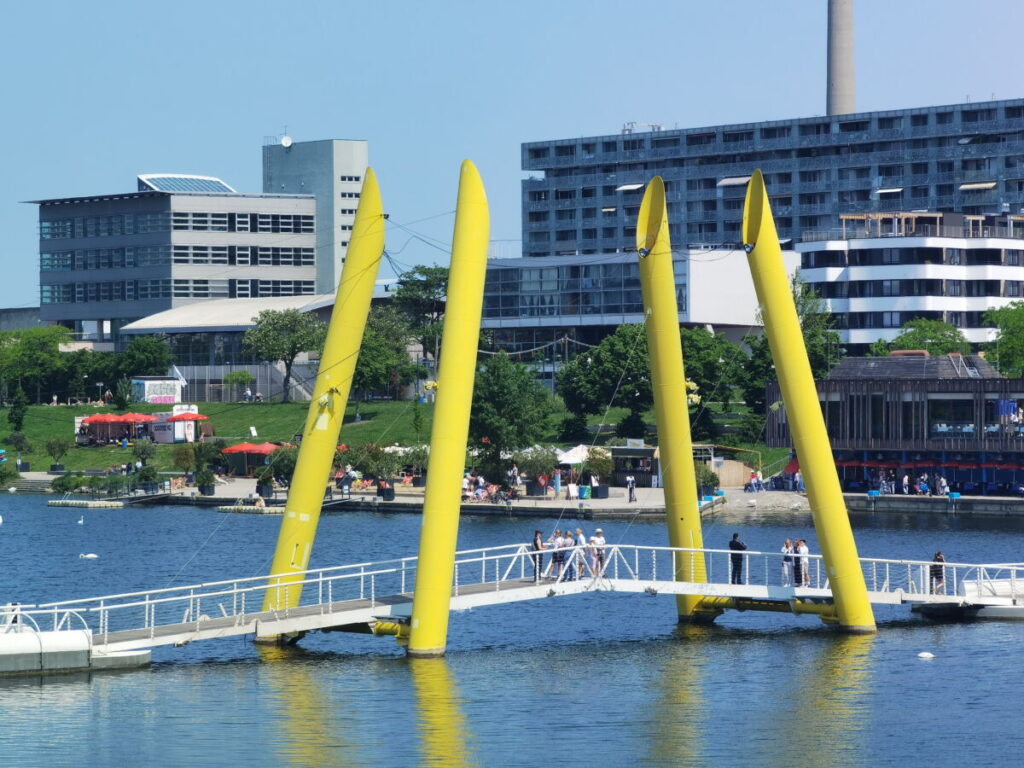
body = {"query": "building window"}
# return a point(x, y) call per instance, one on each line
point(351, 178)
point(954, 255)
point(890, 319)
point(537, 153)
point(350, 195)
point(565, 194)
point(1013, 258)
point(943, 118)
point(348, 211)
point(954, 288)
point(917, 121)
point(1013, 288)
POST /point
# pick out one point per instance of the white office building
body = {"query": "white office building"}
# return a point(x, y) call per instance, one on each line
point(879, 271)
point(332, 171)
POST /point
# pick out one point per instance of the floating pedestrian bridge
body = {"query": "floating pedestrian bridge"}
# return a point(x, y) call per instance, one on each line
point(363, 597)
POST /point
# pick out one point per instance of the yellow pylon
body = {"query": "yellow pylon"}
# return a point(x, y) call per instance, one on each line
point(330, 396)
point(428, 633)
point(803, 411)
point(668, 383)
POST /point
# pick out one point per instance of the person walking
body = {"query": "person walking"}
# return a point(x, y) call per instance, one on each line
point(937, 574)
point(558, 555)
point(631, 486)
point(580, 556)
point(804, 578)
point(787, 563)
point(538, 547)
point(736, 558)
point(906, 484)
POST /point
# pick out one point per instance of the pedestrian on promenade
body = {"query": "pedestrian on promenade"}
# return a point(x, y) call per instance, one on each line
point(906, 484)
point(556, 542)
point(631, 486)
point(581, 542)
point(787, 563)
point(736, 558)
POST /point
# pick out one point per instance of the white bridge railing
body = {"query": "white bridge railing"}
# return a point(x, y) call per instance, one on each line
point(500, 568)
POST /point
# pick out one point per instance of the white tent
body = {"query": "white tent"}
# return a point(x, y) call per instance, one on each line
point(576, 455)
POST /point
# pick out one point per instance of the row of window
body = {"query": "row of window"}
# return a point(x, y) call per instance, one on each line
point(143, 223)
point(856, 320)
point(883, 123)
point(132, 290)
point(162, 255)
point(878, 288)
point(350, 178)
point(873, 257)
point(552, 303)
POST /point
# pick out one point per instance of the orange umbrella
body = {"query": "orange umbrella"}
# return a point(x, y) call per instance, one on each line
point(189, 417)
point(101, 418)
point(241, 448)
point(135, 418)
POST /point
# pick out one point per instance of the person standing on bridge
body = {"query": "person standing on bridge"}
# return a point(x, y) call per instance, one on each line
point(597, 542)
point(787, 563)
point(537, 546)
point(803, 573)
point(937, 574)
point(737, 547)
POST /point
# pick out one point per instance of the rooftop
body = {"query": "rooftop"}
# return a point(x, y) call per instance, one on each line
point(914, 366)
point(182, 182)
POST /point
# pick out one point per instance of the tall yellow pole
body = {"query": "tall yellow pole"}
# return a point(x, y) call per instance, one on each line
point(428, 632)
point(330, 395)
point(803, 411)
point(668, 383)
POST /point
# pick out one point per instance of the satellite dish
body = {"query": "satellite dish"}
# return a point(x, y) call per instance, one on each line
point(286, 141)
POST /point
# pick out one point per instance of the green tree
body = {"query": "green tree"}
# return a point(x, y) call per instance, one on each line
point(144, 450)
point(237, 381)
point(1007, 351)
point(879, 348)
point(510, 408)
point(145, 356)
point(283, 336)
point(32, 359)
point(384, 362)
point(935, 336)
point(421, 296)
point(820, 340)
point(57, 448)
point(18, 410)
point(184, 457)
point(123, 395)
point(615, 373)
point(712, 362)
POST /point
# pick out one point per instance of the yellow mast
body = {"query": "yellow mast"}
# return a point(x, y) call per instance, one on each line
point(668, 383)
point(803, 410)
point(428, 633)
point(330, 396)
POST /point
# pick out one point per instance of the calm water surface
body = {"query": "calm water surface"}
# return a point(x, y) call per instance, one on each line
point(595, 680)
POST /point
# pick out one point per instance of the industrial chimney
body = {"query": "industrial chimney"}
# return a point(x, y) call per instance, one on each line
point(840, 97)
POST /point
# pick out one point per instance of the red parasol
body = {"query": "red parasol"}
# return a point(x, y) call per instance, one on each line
point(262, 449)
point(189, 417)
point(135, 418)
point(101, 418)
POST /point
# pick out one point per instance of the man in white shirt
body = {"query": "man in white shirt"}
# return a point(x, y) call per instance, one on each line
point(598, 542)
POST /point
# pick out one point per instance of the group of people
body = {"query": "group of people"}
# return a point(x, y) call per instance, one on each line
point(885, 482)
point(795, 562)
point(249, 397)
point(571, 552)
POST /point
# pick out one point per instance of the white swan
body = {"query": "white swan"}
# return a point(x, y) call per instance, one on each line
point(89, 556)
point(81, 520)
point(12, 489)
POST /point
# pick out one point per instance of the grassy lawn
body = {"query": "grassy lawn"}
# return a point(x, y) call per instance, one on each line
point(380, 422)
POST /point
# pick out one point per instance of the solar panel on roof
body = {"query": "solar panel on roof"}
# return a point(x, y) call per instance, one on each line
point(182, 183)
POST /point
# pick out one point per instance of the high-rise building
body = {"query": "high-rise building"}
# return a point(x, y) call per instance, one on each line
point(332, 171)
point(584, 193)
point(106, 260)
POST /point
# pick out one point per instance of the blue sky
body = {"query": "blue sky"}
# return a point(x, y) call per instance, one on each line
point(96, 93)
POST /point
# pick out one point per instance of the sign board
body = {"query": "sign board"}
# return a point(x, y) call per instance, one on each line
point(156, 389)
point(634, 442)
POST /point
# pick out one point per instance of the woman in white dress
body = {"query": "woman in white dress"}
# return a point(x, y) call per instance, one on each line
point(805, 572)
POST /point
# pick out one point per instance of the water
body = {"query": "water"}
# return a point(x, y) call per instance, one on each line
point(597, 679)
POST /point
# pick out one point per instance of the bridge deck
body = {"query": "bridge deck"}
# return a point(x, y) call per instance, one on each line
point(362, 593)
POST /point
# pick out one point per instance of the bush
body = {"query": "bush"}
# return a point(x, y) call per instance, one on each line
point(57, 448)
point(144, 450)
point(8, 473)
point(706, 477)
point(97, 483)
point(184, 456)
point(574, 427)
point(632, 425)
point(147, 474)
point(535, 462)
point(599, 462)
point(282, 462)
point(18, 409)
point(417, 457)
point(19, 441)
point(122, 394)
point(751, 428)
point(205, 477)
point(67, 483)
point(373, 460)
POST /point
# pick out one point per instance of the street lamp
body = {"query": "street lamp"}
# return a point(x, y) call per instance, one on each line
point(99, 390)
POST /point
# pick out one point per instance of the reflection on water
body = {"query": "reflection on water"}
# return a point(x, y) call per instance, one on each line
point(679, 714)
point(305, 717)
point(830, 702)
point(440, 722)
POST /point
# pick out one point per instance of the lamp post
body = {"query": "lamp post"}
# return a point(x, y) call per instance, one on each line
point(99, 390)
